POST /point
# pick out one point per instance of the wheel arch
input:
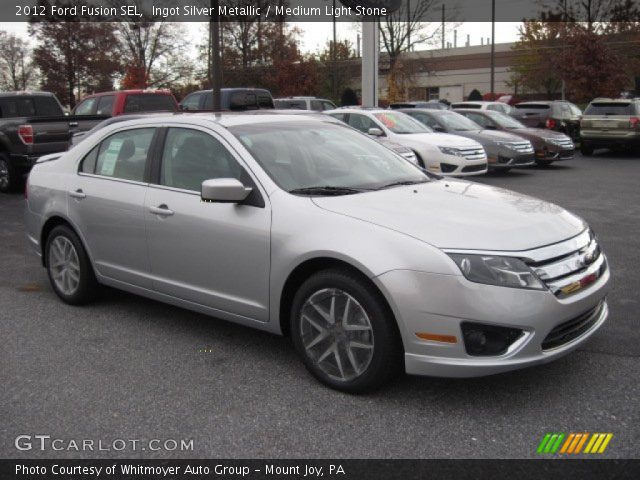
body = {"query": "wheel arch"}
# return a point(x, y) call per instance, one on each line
point(51, 223)
point(311, 266)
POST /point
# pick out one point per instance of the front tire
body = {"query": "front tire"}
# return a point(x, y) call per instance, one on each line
point(70, 271)
point(544, 163)
point(345, 333)
point(586, 150)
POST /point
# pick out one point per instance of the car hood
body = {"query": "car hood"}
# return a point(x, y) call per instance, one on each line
point(462, 215)
point(438, 139)
point(489, 137)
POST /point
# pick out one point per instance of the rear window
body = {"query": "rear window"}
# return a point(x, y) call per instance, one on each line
point(466, 105)
point(609, 108)
point(146, 102)
point(291, 104)
point(17, 107)
point(265, 100)
point(533, 106)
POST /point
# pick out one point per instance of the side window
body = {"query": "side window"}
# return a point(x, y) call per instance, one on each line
point(362, 123)
point(425, 119)
point(86, 107)
point(124, 154)
point(338, 116)
point(191, 102)
point(89, 161)
point(105, 105)
point(265, 100)
point(495, 108)
point(47, 106)
point(316, 105)
point(190, 157)
point(327, 105)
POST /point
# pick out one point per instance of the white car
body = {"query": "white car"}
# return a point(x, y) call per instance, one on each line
point(485, 105)
point(439, 153)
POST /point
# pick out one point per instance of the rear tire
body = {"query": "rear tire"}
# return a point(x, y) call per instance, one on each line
point(7, 175)
point(345, 333)
point(68, 266)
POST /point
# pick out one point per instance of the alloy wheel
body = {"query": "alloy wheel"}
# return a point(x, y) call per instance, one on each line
point(336, 334)
point(4, 175)
point(64, 265)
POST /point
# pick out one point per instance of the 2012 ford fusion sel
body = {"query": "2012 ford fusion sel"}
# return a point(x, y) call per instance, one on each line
point(305, 227)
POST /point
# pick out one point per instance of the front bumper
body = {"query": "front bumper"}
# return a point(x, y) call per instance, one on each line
point(456, 166)
point(438, 304)
point(506, 158)
point(555, 154)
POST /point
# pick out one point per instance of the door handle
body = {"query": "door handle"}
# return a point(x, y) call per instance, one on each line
point(79, 194)
point(73, 124)
point(161, 210)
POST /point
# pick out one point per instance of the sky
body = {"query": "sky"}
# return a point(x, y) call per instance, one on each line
point(316, 35)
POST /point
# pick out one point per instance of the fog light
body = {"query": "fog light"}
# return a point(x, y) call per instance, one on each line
point(487, 340)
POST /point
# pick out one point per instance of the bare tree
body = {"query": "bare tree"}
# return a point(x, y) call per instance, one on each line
point(404, 29)
point(17, 71)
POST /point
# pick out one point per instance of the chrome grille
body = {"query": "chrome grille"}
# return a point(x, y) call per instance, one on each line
point(522, 147)
point(573, 269)
point(473, 153)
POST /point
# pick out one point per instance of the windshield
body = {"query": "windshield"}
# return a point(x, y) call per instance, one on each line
point(317, 154)
point(505, 121)
point(401, 123)
point(459, 123)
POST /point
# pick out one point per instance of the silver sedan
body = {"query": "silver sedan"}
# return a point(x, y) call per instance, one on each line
point(304, 227)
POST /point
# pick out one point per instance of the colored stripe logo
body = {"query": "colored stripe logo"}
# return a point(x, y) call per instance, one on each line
point(574, 443)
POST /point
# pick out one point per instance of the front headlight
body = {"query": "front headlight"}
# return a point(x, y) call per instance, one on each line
point(450, 151)
point(495, 270)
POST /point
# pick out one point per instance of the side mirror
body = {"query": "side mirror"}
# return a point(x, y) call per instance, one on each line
point(224, 190)
point(438, 128)
point(376, 132)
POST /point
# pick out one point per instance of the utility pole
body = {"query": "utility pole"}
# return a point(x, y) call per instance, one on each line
point(216, 64)
point(443, 27)
point(408, 25)
point(493, 47)
point(334, 83)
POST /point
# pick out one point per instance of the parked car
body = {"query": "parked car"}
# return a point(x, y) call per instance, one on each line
point(95, 108)
point(230, 99)
point(436, 152)
point(401, 150)
point(504, 150)
point(432, 104)
point(610, 123)
point(549, 146)
point(304, 103)
point(32, 124)
point(484, 105)
point(558, 115)
point(310, 229)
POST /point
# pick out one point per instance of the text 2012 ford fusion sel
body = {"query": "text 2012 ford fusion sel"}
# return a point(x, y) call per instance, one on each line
point(300, 226)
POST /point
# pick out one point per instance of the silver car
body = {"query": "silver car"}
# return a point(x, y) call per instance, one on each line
point(308, 228)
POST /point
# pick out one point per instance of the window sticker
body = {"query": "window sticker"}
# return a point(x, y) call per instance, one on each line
point(110, 157)
point(388, 121)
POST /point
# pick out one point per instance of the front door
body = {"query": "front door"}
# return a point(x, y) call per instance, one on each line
point(211, 254)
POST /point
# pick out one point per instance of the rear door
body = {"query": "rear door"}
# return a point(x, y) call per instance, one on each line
point(106, 200)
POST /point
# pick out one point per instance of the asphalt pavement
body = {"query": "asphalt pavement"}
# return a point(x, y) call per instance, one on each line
point(130, 368)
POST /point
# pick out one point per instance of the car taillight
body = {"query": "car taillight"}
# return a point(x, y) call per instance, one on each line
point(551, 123)
point(25, 132)
point(634, 122)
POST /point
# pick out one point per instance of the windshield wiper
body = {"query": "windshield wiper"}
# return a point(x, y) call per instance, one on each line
point(402, 182)
point(327, 190)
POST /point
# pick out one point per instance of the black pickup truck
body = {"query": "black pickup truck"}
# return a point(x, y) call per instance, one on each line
point(32, 124)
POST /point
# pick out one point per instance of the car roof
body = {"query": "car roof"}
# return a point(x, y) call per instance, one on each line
point(25, 93)
point(477, 102)
point(615, 100)
point(229, 119)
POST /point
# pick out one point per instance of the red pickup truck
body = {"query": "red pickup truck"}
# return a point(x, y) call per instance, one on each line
point(111, 104)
